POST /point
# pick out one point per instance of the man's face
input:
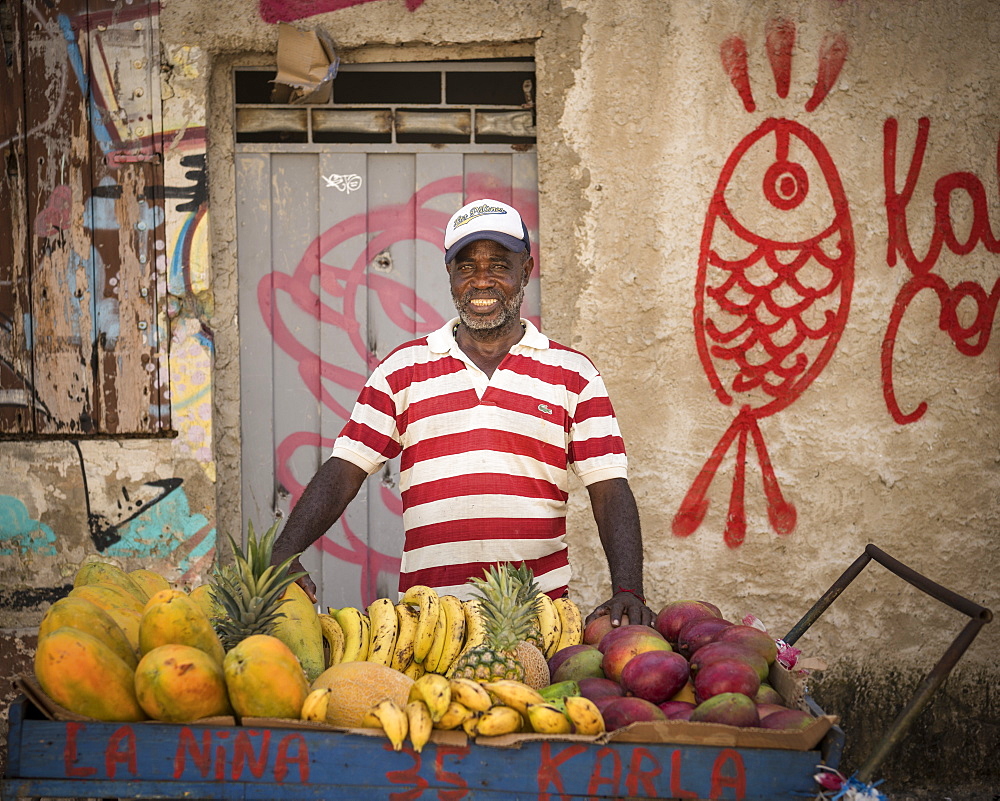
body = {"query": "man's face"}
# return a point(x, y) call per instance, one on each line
point(487, 285)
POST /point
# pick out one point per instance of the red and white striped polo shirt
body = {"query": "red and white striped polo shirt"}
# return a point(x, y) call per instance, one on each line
point(484, 460)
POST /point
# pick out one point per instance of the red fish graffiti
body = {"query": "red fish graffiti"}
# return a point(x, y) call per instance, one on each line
point(774, 285)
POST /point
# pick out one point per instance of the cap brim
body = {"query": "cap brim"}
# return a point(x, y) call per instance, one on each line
point(509, 242)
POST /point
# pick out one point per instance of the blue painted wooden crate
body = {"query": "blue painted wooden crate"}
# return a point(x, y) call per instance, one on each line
point(83, 759)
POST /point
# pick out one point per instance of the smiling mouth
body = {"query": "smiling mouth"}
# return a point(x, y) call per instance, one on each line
point(482, 303)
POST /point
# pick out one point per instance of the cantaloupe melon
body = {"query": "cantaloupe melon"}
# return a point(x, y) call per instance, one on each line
point(357, 686)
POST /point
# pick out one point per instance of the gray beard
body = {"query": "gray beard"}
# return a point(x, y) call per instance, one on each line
point(510, 313)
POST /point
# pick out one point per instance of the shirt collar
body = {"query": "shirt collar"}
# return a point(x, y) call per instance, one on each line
point(441, 341)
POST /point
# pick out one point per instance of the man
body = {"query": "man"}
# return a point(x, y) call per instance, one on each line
point(488, 416)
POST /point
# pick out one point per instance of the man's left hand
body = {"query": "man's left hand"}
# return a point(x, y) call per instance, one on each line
point(624, 605)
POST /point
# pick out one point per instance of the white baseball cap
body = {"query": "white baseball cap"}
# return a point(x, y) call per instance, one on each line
point(485, 219)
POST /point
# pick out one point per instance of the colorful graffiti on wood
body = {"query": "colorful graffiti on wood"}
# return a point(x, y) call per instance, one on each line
point(772, 296)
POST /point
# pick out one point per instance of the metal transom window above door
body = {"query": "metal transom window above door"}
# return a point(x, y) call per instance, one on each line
point(341, 210)
point(425, 103)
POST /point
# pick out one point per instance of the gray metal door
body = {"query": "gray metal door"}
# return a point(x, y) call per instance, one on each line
point(340, 260)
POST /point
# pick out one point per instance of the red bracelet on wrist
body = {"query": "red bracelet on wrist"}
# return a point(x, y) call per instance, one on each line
point(633, 592)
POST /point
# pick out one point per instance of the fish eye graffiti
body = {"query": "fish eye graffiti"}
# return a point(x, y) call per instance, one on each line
point(771, 296)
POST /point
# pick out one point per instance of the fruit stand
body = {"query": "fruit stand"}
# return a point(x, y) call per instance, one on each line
point(75, 759)
point(54, 752)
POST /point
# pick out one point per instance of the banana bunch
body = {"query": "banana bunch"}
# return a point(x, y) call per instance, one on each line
point(425, 632)
point(480, 709)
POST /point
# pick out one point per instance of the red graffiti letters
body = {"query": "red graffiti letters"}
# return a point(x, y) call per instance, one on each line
point(972, 336)
point(243, 753)
point(70, 755)
point(121, 749)
point(548, 768)
point(735, 778)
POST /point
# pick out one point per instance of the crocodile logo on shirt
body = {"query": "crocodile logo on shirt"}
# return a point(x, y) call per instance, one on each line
point(544, 409)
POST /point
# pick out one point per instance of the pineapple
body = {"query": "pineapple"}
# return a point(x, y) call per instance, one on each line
point(508, 602)
point(250, 591)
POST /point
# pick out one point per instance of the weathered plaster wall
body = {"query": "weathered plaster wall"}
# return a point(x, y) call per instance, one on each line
point(637, 119)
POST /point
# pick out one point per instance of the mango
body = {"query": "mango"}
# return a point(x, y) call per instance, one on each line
point(80, 673)
point(178, 683)
point(265, 679)
point(733, 709)
point(176, 619)
point(79, 613)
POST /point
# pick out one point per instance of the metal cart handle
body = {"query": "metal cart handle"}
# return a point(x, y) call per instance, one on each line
point(979, 616)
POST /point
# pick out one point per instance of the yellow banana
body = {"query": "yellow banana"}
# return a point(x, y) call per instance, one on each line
point(334, 636)
point(356, 633)
point(470, 723)
point(414, 670)
point(471, 694)
point(547, 719)
point(402, 653)
point(572, 623)
point(426, 600)
point(388, 716)
point(384, 628)
point(454, 632)
point(475, 628)
point(316, 704)
point(514, 694)
point(418, 719)
point(497, 720)
point(454, 716)
point(584, 715)
point(550, 624)
point(435, 691)
point(437, 647)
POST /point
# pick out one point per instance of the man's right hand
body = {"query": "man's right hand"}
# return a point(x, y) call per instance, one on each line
point(305, 582)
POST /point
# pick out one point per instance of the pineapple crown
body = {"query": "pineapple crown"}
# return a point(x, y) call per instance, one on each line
point(250, 591)
point(509, 602)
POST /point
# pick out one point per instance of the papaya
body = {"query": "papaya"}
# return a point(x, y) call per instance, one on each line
point(298, 626)
point(112, 601)
point(80, 673)
point(202, 595)
point(178, 683)
point(79, 613)
point(164, 595)
point(265, 679)
point(108, 595)
point(176, 619)
point(108, 573)
point(150, 581)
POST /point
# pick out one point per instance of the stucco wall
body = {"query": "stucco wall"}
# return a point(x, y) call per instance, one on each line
point(639, 114)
